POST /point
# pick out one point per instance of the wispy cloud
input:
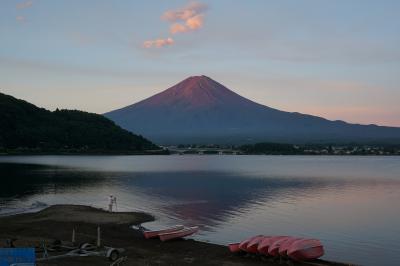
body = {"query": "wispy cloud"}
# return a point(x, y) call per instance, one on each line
point(25, 4)
point(22, 5)
point(177, 27)
point(189, 11)
point(158, 43)
point(186, 19)
point(20, 18)
point(191, 24)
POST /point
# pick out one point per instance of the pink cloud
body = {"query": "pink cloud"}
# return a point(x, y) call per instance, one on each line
point(192, 23)
point(158, 43)
point(186, 19)
point(177, 27)
point(24, 5)
point(185, 13)
point(195, 22)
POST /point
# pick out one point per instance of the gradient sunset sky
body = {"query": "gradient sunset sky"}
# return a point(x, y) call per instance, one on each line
point(337, 59)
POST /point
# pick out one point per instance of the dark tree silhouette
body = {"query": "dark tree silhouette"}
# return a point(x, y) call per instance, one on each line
point(24, 126)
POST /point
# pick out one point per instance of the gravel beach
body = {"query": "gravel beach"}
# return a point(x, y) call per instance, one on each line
point(57, 222)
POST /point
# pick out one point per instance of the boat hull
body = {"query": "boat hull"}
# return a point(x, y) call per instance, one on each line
point(273, 249)
point(243, 245)
point(286, 245)
point(156, 233)
point(253, 244)
point(266, 243)
point(178, 234)
point(306, 249)
point(234, 247)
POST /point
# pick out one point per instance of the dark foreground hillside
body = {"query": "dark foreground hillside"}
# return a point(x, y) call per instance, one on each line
point(25, 127)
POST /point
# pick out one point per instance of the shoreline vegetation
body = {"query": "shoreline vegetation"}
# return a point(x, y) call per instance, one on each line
point(56, 223)
point(265, 148)
point(24, 151)
point(270, 148)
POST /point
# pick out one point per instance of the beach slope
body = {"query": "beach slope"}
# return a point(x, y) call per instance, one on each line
point(57, 222)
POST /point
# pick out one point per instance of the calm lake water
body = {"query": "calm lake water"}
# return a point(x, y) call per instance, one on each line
point(351, 203)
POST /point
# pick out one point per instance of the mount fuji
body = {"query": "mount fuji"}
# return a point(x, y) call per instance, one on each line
point(200, 110)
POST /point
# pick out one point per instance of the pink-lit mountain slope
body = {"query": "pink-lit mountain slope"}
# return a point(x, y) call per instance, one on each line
point(201, 110)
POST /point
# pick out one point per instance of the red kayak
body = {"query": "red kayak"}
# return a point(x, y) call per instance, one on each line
point(286, 245)
point(253, 244)
point(266, 242)
point(305, 249)
point(187, 231)
point(273, 249)
point(234, 247)
point(152, 234)
point(244, 243)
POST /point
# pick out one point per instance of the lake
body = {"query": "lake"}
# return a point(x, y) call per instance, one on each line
point(352, 204)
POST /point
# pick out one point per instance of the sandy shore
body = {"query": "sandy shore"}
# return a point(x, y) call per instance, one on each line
point(56, 222)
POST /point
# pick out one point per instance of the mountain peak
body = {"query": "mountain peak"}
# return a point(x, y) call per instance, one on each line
point(199, 77)
point(198, 82)
point(194, 92)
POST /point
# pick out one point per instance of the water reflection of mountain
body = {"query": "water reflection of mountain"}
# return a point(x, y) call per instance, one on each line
point(201, 197)
point(210, 197)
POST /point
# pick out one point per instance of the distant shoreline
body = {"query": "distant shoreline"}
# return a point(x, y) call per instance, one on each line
point(262, 148)
point(152, 152)
point(273, 148)
point(176, 154)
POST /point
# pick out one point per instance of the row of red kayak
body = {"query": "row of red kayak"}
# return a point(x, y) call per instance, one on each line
point(177, 231)
point(299, 249)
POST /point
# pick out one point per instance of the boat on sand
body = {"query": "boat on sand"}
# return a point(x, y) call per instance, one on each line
point(153, 234)
point(244, 243)
point(186, 231)
point(234, 247)
point(273, 249)
point(286, 245)
point(294, 248)
point(306, 249)
point(266, 243)
point(253, 244)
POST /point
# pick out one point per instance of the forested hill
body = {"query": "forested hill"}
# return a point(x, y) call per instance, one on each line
point(26, 127)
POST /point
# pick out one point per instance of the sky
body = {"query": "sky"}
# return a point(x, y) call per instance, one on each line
point(336, 59)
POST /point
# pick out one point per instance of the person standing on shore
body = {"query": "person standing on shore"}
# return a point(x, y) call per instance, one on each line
point(110, 204)
point(115, 203)
point(113, 200)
